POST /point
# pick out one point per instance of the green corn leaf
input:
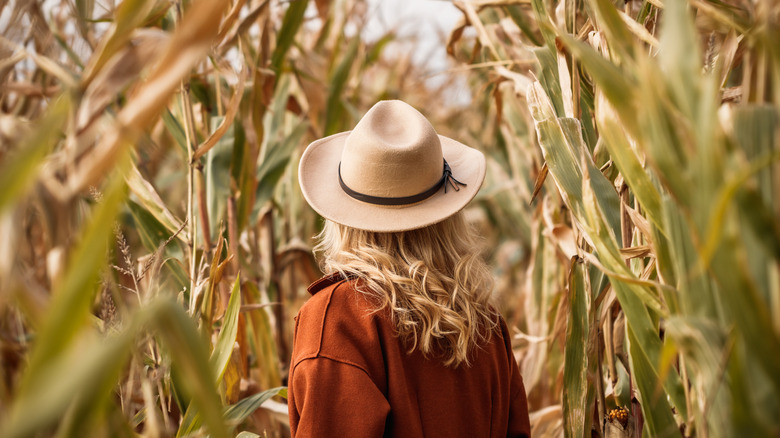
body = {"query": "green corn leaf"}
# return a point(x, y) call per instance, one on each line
point(291, 22)
point(617, 85)
point(376, 50)
point(661, 133)
point(190, 359)
point(237, 413)
point(175, 129)
point(608, 19)
point(665, 269)
point(548, 77)
point(153, 205)
point(679, 56)
point(705, 347)
point(220, 356)
point(581, 357)
point(227, 334)
point(275, 119)
point(636, 299)
point(592, 199)
point(545, 24)
point(243, 169)
point(696, 293)
point(587, 109)
point(742, 303)
point(93, 366)
point(273, 165)
point(751, 414)
point(217, 177)
point(516, 14)
point(626, 160)
point(153, 234)
point(755, 131)
point(334, 120)
point(150, 230)
point(568, 159)
point(659, 421)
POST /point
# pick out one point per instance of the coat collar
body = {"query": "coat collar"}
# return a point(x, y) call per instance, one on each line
point(324, 282)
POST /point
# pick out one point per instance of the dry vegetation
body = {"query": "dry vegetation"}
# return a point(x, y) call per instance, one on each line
point(154, 245)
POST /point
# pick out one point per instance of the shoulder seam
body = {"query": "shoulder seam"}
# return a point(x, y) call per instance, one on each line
point(318, 352)
point(334, 359)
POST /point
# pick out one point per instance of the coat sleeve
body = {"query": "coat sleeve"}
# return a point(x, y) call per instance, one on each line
point(329, 398)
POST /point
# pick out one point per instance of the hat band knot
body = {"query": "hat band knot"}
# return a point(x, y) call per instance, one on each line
point(405, 200)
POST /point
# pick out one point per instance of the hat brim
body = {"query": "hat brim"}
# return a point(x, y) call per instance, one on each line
point(319, 181)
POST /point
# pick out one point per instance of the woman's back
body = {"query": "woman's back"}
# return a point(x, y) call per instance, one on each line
point(351, 376)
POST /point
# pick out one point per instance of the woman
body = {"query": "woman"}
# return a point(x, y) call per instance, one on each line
point(400, 339)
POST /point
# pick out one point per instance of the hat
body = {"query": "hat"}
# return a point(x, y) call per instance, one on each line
point(391, 173)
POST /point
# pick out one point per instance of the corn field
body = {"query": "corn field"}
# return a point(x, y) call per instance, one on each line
point(154, 244)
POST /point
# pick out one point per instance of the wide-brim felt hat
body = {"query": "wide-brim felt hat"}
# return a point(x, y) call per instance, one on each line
point(391, 173)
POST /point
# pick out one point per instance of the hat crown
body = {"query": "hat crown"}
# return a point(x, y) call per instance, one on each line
point(392, 152)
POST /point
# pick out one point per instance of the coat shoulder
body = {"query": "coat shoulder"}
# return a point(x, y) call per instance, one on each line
point(339, 323)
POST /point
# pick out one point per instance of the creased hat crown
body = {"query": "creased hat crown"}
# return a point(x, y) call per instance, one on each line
point(392, 152)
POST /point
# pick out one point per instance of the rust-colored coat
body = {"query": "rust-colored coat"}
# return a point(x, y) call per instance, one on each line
point(350, 376)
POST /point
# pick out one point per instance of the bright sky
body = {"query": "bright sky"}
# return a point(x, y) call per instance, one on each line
point(431, 21)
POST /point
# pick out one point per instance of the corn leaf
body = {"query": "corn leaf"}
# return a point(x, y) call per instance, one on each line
point(237, 413)
point(741, 302)
point(655, 408)
point(190, 359)
point(618, 87)
point(626, 160)
point(549, 79)
point(175, 129)
point(273, 165)
point(291, 22)
point(609, 21)
point(217, 175)
point(220, 356)
point(153, 205)
point(706, 346)
point(227, 334)
point(334, 111)
point(578, 388)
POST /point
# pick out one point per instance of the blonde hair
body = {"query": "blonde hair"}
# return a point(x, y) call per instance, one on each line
point(433, 280)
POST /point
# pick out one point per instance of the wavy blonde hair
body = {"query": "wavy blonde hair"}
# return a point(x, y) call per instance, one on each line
point(433, 280)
